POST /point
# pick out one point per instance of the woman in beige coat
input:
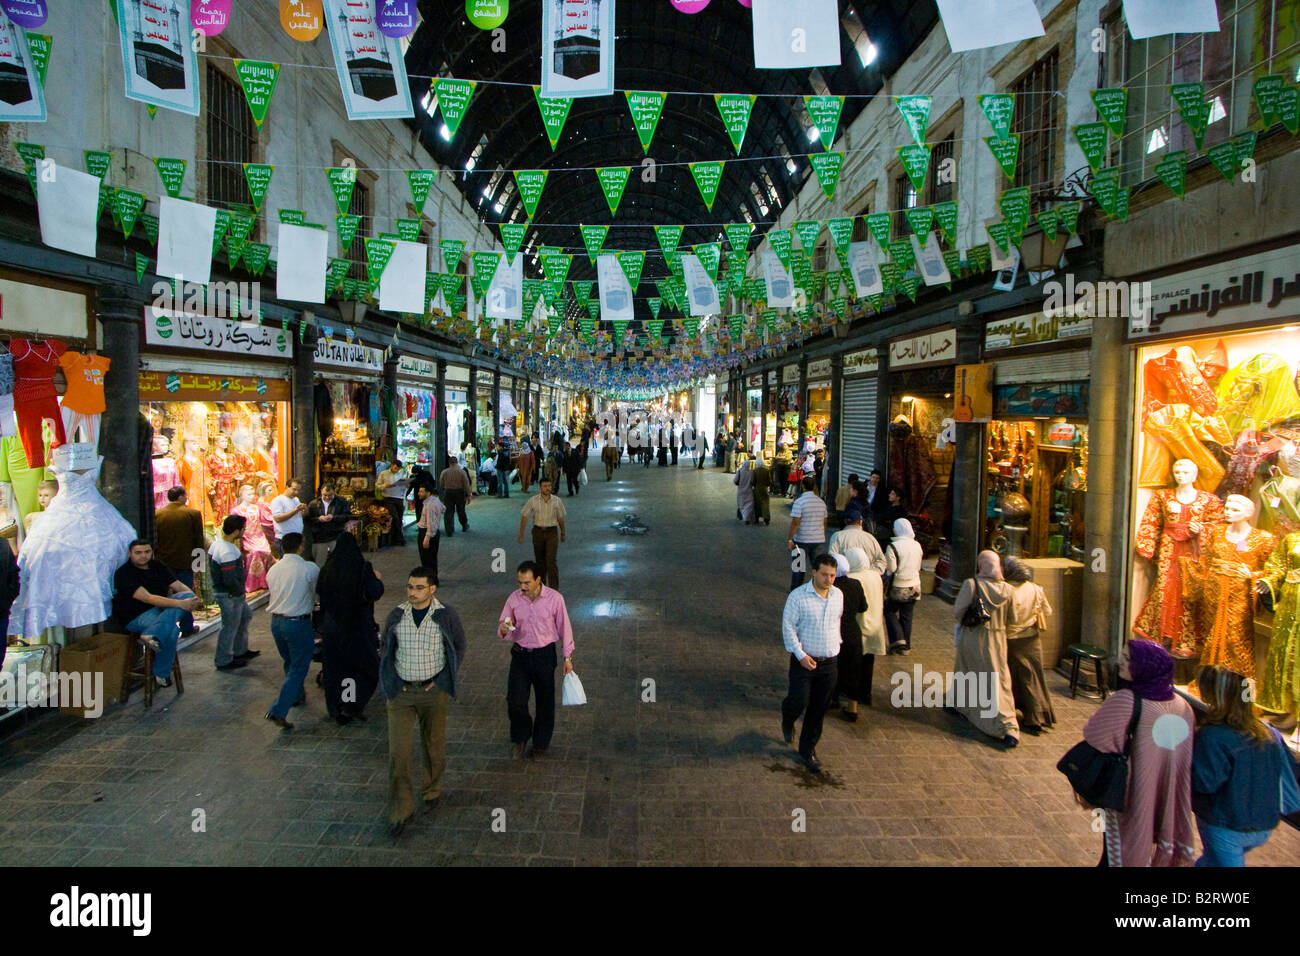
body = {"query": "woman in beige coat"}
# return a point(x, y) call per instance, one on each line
point(985, 697)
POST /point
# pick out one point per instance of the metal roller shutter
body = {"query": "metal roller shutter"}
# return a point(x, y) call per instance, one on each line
point(1057, 367)
point(858, 433)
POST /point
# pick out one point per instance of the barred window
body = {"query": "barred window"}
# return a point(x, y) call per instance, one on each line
point(232, 141)
point(905, 198)
point(359, 206)
point(1035, 121)
point(940, 191)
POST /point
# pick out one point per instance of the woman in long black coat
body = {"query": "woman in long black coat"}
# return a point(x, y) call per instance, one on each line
point(348, 588)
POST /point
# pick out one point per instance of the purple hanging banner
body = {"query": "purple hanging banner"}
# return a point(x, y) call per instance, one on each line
point(396, 18)
point(28, 14)
point(210, 17)
point(690, 6)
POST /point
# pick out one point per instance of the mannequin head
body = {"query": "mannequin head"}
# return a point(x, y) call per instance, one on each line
point(247, 495)
point(222, 443)
point(1185, 472)
point(193, 448)
point(161, 443)
point(1238, 508)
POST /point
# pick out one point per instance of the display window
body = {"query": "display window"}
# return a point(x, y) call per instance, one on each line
point(920, 461)
point(819, 414)
point(459, 416)
point(754, 417)
point(1035, 488)
point(1216, 507)
point(415, 412)
point(482, 402)
point(348, 424)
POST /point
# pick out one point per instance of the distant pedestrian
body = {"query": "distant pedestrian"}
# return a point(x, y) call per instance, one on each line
point(1026, 615)
point(762, 488)
point(744, 482)
point(903, 559)
point(807, 531)
point(227, 573)
point(291, 586)
point(609, 456)
point(503, 471)
point(534, 619)
point(427, 527)
point(391, 486)
point(348, 589)
point(982, 652)
point(701, 450)
point(423, 648)
point(547, 512)
point(327, 516)
point(731, 453)
point(525, 464)
point(810, 626)
point(456, 493)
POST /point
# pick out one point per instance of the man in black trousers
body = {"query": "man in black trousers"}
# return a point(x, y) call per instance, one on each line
point(810, 626)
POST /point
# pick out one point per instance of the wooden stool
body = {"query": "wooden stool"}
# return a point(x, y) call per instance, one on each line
point(142, 670)
point(1079, 653)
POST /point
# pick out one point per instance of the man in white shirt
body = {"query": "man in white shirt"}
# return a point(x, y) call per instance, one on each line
point(808, 519)
point(291, 584)
point(810, 626)
point(287, 512)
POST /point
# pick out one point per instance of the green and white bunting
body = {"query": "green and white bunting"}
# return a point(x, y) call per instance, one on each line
point(878, 224)
point(1092, 140)
point(530, 183)
point(901, 251)
point(141, 266)
point(409, 230)
point(150, 223)
point(258, 176)
point(735, 110)
point(1000, 108)
point(708, 177)
point(554, 110)
point(172, 174)
point(824, 111)
point(1190, 98)
point(710, 256)
point(258, 80)
point(593, 237)
point(916, 163)
point(827, 166)
point(40, 47)
point(738, 234)
point(920, 218)
point(1267, 90)
point(613, 180)
point(127, 206)
point(512, 237)
point(1227, 157)
point(1001, 235)
point(347, 225)
point(780, 241)
point(485, 267)
point(1014, 204)
point(841, 231)
point(1112, 107)
point(1288, 108)
point(556, 266)
point(632, 263)
point(336, 273)
point(1007, 152)
point(1104, 188)
point(945, 215)
point(256, 256)
point(669, 238)
point(646, 107)
point(1069, 216)
point(808, 231)
point(292, 217)
point(453, 100)
point(421, 182)
point(31, 154)
point(1049, 220)
point(219, 230)
point(916, 112)
point(342, 180)
point(582, 289)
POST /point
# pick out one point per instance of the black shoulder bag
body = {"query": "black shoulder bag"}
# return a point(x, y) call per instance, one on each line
point(1101, 778)
point(976, 614)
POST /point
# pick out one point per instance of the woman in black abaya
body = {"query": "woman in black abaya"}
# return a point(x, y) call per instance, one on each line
point(348, 588)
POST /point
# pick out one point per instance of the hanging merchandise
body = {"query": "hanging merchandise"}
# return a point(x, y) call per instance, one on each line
point(35, 400)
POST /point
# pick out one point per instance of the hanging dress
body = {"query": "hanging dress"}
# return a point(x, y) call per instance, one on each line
point(1279, 687)
point(34, 396)
point(1222, 584)
point(1165, 538)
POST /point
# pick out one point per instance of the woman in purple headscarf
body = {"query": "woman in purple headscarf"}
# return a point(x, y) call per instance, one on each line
point(1156, 827)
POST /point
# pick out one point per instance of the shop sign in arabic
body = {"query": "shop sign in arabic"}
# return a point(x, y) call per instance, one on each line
point(179, 330)
point(1259, 287)
point(862, 363)
point(1034, 329)
point(819, 369)
point(934, 348)
point(789, 374)
point(348, 354)
point(187, 386)
point(423, 368)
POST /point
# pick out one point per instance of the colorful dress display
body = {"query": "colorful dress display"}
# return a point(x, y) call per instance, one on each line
point(226, 471)
point(1279, 687)
point(1259, 391)
point(1175, 431)
point(1222, 585)
point(193, 473)
point(166, 476)
point(257, 550)
point(1164, 536)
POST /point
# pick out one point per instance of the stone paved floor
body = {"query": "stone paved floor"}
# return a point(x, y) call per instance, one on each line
point(700, 776)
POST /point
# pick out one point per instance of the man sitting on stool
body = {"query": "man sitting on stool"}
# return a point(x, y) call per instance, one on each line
point(149, 601)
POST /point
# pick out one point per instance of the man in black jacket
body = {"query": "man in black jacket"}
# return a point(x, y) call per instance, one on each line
point(327, 516)
point(424, 645)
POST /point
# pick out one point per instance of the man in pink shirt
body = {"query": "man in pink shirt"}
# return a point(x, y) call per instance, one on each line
point(534, 620)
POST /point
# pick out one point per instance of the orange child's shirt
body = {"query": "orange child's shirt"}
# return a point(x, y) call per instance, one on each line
point(85, 375)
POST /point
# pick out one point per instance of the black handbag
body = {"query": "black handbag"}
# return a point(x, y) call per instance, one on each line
point(1101, 778)
point(976, 614)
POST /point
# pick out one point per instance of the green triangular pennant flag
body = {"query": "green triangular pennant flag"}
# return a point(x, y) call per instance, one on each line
point(582, 289)
point(338, 271)
point(920, 218)
point(485, 267)
point(451, 284)
point(901, 251)
point(632, 264)
point(841, 231)
point(1104, 188)
point(453, 100)
point(613, 180)
point(141, 266)
point(1000, 108)
point(1000, 234)
point(1245, 143)
point(256, 256)
point(734, 108)
point(1015, 211)
point(259, 178)
point(945, 214)
point(292, 217)
point(97, 162)
point(554, 110)
point(1224, 158)
point(878, 224)
point(738, 234)
point(656, 304)
point(378, 252)
point(219, 230)
point(421, 181)
point(31, 154)
point(347, 226)
point(808, 231)
point(1121, 204)
point(1069, 216)
point(952, 259)
point(979, 257)
point(1288, 108)
point(593, 309)
point(1050, 222)
point(452, 250)
point(1092, 140)
point(258, 80)
point(781, 243)
point(824, 111)
point(708, 176)
point(827, 166)
point(172, 174)
point(1267, 89)
point(669, 237)
point(1112, 107)
point(150, 223)
point(342, 179)
point(593, 237)
point(646, 107)
point(40, 46)
point(530, 182)
point(153, 110)
point(916, 163)
point(1006, 151)
point(1190, 98)
point(916, 111)
point(910, 285)
point(409, 229)
point(512, 237)
point(127, 206)
point(710, 255)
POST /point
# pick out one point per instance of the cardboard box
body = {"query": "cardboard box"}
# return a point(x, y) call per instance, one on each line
point(105, 654)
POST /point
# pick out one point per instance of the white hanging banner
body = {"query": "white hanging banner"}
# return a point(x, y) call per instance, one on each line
point(24, 94)
point(401, 285)
point(185, 240)
point(780, 286)
point(701, 293)
point(929, 260)
point(1153, 18)
point(796, 34)
point(615, 290)
point(301, 263)
point(866, 274)
point(577, 48)
point(976, 24)
point(371, 67)
point(505, 296)
point(67, 203)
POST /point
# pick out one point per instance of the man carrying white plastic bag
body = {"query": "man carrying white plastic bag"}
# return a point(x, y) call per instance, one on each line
point(535, 619)
point(571, 692)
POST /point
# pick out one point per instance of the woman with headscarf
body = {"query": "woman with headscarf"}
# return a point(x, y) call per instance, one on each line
point(849, 662)
point(871, 622)
point(903, 556)
point(1026, 614)
point(348, 588)
point(980, 669)
point(744, 482)
point(525, 463)
point(1155, 827)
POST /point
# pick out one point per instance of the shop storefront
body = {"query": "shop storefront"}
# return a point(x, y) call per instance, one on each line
point(416, 407)
point(818, 419)
point(858, 405)
point(1217, 415)
point(769, 417)
point(753, 410)
point(788, 408)
point(349, 377)
point(460, 415)
point(484, 403)
point(920, 456)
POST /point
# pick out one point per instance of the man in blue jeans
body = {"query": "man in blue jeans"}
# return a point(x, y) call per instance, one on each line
point(291, 584)
point(149, 601)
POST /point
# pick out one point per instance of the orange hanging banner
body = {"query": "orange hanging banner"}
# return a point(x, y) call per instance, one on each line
point(302, 19)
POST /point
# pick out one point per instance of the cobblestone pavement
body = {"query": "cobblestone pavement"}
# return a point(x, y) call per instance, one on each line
point(700, 776)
